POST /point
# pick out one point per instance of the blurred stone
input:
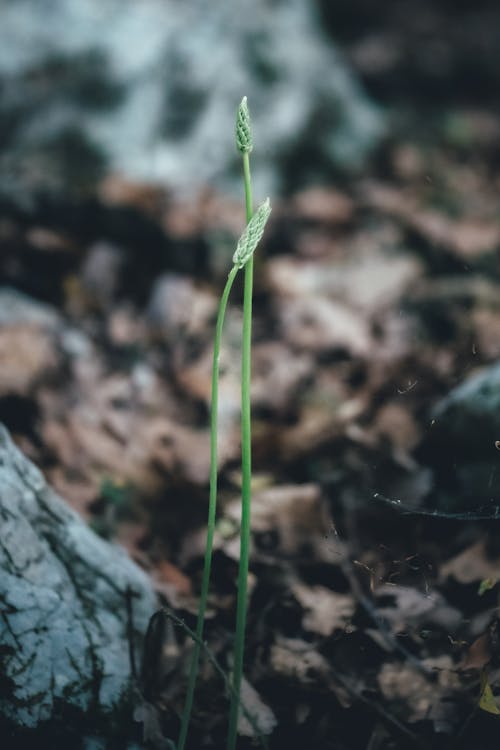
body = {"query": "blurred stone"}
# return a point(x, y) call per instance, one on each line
point(149, 91)
point(73, 606)
point(100, 273)
point(468, 418)
point(462, 444)
point(17, 308)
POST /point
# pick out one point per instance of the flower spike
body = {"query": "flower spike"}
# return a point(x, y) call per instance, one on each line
point(252, 234)
point(244, 140)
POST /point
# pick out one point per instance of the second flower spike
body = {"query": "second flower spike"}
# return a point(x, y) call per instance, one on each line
point(252, 234)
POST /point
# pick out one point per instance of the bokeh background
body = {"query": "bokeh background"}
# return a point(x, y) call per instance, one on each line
point(376, 382)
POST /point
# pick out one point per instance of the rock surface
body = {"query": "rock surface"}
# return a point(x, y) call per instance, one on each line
point(71, 606)
point(470, 414)
point(464, 445)
point(149, 90)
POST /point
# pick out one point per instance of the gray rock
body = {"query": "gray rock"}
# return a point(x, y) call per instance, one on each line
point(16, 307)
point(64, 622)
point(468, 418)
point(149, 89)
point(463, 443)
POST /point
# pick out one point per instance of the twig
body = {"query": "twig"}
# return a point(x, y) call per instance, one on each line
point(227, 683)
point(371, 610)
point(480, 515)
point(381, 711)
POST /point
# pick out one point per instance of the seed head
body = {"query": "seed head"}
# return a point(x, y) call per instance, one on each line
point(252, 234)
point(244, 140)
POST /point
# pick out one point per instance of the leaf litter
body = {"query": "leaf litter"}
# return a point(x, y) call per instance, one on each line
point(366, 624)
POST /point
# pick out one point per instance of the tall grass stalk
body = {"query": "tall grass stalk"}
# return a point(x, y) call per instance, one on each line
point(242, 258)
point(246, 459)
point(212, 509)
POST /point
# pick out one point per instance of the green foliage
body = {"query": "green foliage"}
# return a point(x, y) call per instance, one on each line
point(116, 493)
point(486, 585)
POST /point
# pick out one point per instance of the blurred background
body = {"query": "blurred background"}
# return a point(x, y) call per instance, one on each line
point(376, 382)
point(146, 89)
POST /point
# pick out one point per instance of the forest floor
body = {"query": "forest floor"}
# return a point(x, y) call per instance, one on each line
point(374, 595)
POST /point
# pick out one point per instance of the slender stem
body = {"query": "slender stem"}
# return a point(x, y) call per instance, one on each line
point(248, 186)
point(214, 662)
point(212, 507)
point(246, 468)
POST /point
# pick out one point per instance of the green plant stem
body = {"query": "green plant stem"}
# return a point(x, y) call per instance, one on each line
point(212, 508)
point(248, 186)
point(227, 683)
point(246, 470)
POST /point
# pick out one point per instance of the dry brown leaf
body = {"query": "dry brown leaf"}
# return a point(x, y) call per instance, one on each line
point(115, 190)
point(298, 660)
point(467, 238)
point(125, 328)
point(28, 355)
point(398, 424)
point(479, 653)
point(131, 535)
point(317, 324)
point(171, 575)
point(413, 608)
point(486, 324)
point(425, 698)
point(296, 512)
point(204, 212)
point(326, 610)
point(316, 243)
point(471, 565)
point(383, 197)
point(318, 423)
point(129, 442)
point(408, 161)
point(77, 488)
point(46, 239)
point(258, 710)
point(179, 306)
point(325, 205)
point(175, 449)
point(277, 373)
point(368, 277)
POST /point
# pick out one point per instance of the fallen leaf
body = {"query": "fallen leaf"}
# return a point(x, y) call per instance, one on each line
point(28, 355)
point(412, 607)
point(470, 566)
point(180, 306)
point(261, 713)
point(323, 205)
point(326, 610)
point(486, 585)
point(170, 574)
point(479, 653)
point(487, 699)
point(295, 515)
point(298, 660)
point(316, 324)
point(277, 374)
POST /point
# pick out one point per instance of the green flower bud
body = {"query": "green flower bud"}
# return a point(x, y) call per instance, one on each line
point(244, 140)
